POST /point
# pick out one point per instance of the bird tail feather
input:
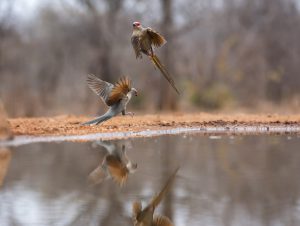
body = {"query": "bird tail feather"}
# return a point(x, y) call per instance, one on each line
point(157, 199)
point(98, 120)
point(155, 60)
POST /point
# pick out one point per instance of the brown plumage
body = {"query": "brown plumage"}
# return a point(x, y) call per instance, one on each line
point(162, 221)
point(143, 40)
point(157, 198)
point(121, 88)
point(118, 170)
point(157, 39)
point(116, 97)
point(155, 60)
point(110, 93)
point(144, 217)
point(115, 165)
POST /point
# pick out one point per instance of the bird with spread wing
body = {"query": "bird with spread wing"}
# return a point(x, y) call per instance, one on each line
point(115, 165)
point(143, 40)
point(144, 217)
point(116, 97)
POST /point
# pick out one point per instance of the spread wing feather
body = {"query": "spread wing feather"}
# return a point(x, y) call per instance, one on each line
point(118, 171)
point(162, 221)
point(100, 87)
point(96, 176)
point(121, 88)
point(157, 39)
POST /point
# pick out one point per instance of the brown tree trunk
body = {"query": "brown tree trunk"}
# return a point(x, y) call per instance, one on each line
point(102, 40)
point(167, 99)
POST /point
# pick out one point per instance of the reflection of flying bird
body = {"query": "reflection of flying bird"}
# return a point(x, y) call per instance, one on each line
point(115, 96)
point(144, 217)
point(143, 40)
point(115, 165)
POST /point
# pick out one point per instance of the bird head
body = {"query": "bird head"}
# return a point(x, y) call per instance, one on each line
point(136, 24)
point(134, 91)
point(131, 167)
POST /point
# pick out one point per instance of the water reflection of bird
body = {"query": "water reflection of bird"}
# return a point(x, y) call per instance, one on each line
point(144, 217)
point(142, 40)
point(115, 96)
point(115, 165)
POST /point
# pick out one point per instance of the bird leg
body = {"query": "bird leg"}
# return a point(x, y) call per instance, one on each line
point(128, 113)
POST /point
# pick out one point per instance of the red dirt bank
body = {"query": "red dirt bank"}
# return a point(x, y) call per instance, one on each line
point(71, 125)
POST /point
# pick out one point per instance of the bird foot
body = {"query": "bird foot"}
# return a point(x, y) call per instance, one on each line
point(130, 113)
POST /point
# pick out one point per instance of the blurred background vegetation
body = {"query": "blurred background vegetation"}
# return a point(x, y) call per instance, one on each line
point(223, 54)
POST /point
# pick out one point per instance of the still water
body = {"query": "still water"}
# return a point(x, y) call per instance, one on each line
point(222, 181)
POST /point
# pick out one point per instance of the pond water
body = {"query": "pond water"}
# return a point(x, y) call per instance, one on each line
point(222, 181)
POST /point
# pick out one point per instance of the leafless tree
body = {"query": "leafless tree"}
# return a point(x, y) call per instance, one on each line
point(219, 53)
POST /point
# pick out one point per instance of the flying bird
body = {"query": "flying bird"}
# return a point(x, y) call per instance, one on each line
point(116, 97)
point(116, 165)
point(143, 40)
point(144, 216)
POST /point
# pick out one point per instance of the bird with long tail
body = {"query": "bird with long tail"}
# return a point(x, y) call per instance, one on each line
point(143, 40)
point(144, 216)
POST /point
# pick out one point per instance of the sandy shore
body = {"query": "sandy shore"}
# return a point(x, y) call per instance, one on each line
point(71, 125)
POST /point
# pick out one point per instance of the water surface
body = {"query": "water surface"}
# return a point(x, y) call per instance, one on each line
point(223, 180)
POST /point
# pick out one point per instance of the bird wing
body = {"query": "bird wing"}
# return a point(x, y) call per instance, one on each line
point(100, 87)
point(119, 91)
point(162, 221)
point(136, 44)
point(96, 176)
point(118, 171)
point(157, 39)
point(157, 198)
